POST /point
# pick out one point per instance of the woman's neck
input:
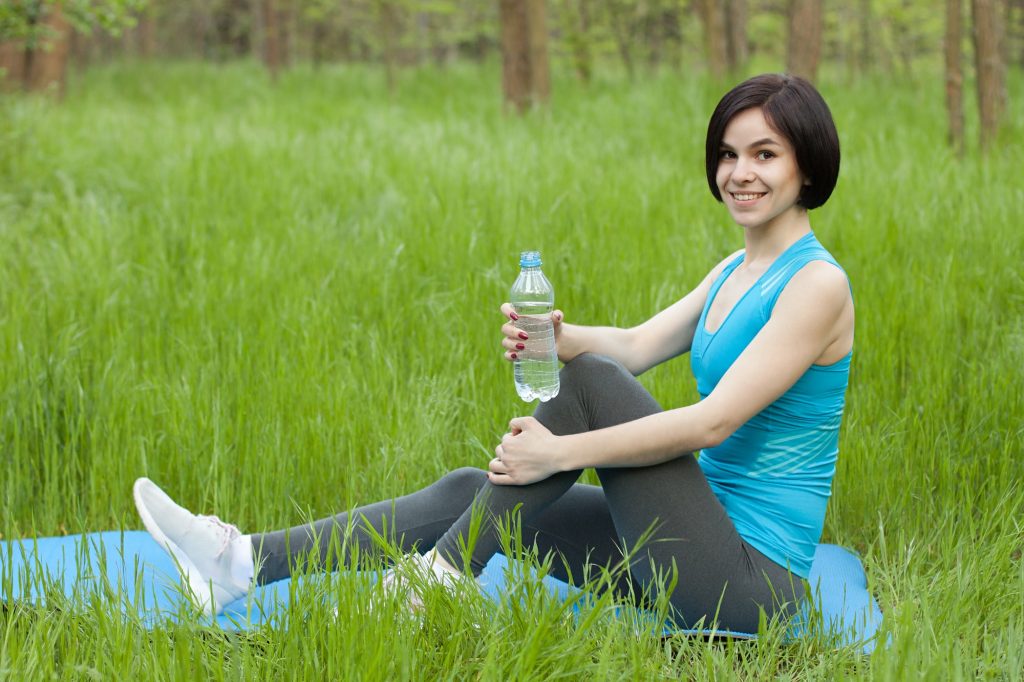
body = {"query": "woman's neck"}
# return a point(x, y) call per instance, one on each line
point(764, 243)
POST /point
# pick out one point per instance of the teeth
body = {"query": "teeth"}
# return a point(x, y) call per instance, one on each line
point(747, 197)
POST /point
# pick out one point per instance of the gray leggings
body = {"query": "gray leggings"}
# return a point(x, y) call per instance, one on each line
point(720, 576)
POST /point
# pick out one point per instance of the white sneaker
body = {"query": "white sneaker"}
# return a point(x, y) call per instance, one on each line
point(415, 573)
point(213, 557)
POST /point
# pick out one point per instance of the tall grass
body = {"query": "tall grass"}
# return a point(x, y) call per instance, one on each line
point(281, 301)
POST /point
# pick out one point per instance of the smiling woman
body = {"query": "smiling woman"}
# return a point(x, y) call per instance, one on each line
point(770, 333)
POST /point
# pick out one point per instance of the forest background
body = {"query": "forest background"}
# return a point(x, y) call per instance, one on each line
point(254, 251)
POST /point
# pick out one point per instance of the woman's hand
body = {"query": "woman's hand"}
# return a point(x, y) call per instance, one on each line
point(527, 454)
point(514, 340)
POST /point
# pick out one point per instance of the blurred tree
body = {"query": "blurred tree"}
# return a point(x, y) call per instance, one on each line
point(716, 41)
point(35, 35)
point(537, 29)
point(991, 70)
point(738, 47)
point(389, 22)
point(273, 58)
point(573, 18)
point(525, 78)
point(954, 75)
point(618, 19)
point(804, 45)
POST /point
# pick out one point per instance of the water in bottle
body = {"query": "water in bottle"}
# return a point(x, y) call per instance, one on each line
point(536, 367)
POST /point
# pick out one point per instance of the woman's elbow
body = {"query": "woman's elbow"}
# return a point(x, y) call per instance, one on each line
point(717, 429)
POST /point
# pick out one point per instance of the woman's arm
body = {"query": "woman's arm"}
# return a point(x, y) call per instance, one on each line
point(813, 314)
point(662, 337)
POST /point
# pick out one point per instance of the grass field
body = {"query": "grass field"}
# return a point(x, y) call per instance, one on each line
point(279, 302)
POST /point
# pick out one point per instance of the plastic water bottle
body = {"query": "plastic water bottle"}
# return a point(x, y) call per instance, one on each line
point(536, 367)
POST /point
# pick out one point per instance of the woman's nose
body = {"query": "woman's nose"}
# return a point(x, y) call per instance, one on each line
point(743, 171)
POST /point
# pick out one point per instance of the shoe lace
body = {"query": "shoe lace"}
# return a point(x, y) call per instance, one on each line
point(228, 532)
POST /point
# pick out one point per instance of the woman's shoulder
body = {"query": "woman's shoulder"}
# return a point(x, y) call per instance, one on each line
point(723, 264)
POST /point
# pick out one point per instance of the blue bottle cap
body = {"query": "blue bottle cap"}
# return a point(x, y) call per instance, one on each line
point(529, 259)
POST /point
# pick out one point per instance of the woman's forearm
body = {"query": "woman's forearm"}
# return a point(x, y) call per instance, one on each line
point(614, 342)
point(644, 442)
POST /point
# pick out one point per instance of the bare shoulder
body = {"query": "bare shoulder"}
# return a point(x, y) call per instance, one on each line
point(819, 286)
point(717, 270)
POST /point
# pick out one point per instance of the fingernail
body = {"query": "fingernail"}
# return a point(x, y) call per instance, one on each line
point(513, 356)
point(513, 316)
point(520, 346)
point(523, 336)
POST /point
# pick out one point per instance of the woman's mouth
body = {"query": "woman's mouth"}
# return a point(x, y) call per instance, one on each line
point(746, 197)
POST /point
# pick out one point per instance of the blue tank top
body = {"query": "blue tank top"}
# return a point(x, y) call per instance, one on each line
point(774, 474)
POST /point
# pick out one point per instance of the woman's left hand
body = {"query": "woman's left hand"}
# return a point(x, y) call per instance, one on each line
point(527, 454)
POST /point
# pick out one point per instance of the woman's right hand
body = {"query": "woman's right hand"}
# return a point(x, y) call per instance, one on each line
point(514, 340)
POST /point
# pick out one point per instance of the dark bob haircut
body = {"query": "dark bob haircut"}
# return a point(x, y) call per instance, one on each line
point(795, 110)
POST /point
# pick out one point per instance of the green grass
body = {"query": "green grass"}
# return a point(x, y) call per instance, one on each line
point(282, 301)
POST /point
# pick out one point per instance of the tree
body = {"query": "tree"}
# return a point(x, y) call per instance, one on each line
point(738, 49)
point(804, 46)
point(712, 16)
point(524, 45)
point(35, 35)
point(272, 54)
point(988, 56)
point(954, 75)
point(574, 20)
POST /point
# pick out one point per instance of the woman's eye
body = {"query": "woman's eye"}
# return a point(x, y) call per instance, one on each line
point(726, 154)
point(764, 155)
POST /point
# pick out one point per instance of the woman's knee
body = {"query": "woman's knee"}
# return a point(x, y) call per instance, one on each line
point(463, 479)
point(594, 365)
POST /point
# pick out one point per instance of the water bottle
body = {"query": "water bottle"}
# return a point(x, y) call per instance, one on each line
point(535, 368)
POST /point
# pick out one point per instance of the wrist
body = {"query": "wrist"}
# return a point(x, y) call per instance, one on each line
point(565, 453)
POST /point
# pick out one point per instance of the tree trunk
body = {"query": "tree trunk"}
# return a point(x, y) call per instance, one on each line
point(620, 29)
point(804, 47)
point(990, 68)
point(12, 61)
point(864, 51)
point(954, 76)
point(537, 28)
point(578, 37)
point(46, 67)
point(1020, 33)
point(712, 14)
point(318, 38)
point(271, 37)
point(285, 26)
point(738, 48)
point(389, 38)
point(146, 34)
point(515, 54)
point(526, 77)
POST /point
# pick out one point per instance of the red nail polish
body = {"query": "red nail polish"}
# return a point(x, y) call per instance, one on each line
point(520, 346)
point(513, 356)
point(523, 336)
point(513, 316)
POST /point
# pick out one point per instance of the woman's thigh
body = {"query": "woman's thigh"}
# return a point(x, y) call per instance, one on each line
point(665, 516)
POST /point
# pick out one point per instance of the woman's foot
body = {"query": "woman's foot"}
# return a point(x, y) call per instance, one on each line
point(214, 557)
point(415, 573)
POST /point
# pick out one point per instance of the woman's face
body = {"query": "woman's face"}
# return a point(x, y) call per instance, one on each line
point(758, 176)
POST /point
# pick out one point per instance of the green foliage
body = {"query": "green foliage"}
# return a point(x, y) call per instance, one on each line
point(20, 19)
point(270, 298)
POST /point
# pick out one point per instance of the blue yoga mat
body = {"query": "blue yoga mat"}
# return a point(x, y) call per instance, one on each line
point(130, 567)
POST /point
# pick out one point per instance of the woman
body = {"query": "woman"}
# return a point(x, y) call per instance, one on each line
point(770, 334)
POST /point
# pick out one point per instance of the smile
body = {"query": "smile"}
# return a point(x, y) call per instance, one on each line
point(749, 196)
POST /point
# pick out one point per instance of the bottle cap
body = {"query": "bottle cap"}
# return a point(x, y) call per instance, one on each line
point(529, 259)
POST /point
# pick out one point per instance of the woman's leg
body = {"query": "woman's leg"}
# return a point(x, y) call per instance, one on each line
point(592, 396)
point(413, 521)
point(721, 577)
point(445, 509)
